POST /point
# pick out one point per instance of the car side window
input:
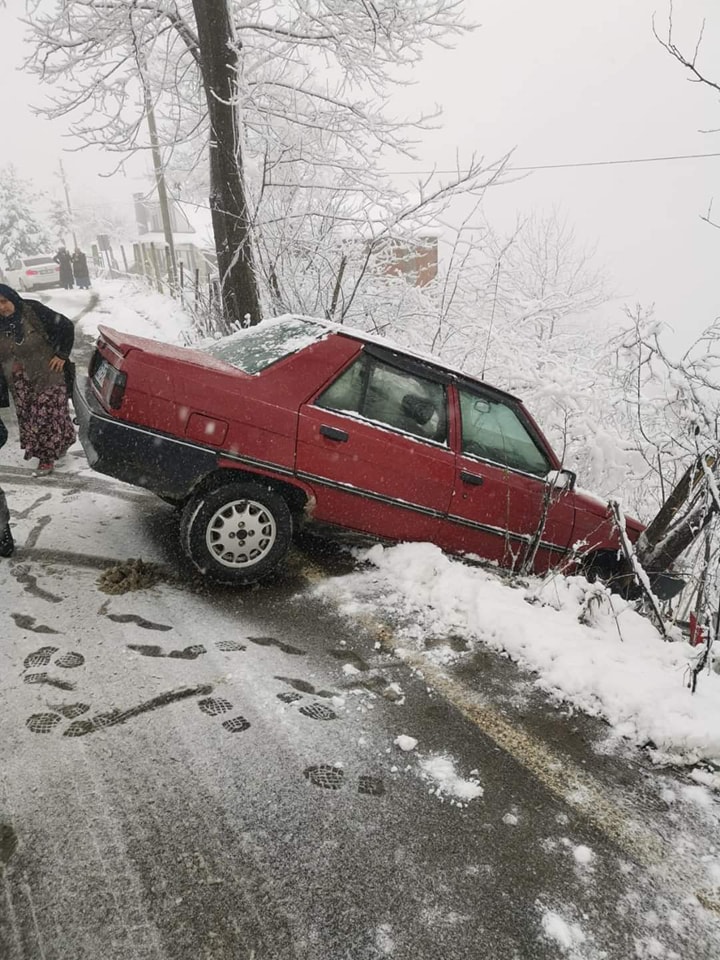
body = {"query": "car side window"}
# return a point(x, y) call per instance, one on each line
point(392, 396)
point(492, 430)
point(346, 394)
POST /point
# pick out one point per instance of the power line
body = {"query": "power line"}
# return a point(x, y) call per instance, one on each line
point(539, 166)
point(508, 169)
point(610, 163)
point(582, 163)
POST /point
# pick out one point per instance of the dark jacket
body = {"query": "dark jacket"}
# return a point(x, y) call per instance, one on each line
point(60, 333)
point(80, 265)
point(58, 329)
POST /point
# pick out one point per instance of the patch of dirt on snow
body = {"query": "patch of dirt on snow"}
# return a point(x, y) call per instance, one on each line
point(130, 575)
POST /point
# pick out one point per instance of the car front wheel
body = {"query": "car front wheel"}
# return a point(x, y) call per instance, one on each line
point(237, 533)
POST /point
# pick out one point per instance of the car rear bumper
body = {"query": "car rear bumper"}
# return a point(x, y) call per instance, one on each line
point(165, 465)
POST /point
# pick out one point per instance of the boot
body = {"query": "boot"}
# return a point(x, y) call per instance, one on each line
point(7, 544)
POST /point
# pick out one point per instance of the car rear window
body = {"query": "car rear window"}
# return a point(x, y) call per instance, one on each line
point(256, 348)
point(37, 261)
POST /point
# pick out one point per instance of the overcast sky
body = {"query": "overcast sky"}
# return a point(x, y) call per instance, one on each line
point(563, 82)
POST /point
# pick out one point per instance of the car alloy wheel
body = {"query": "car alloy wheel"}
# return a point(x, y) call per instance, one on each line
point(240, 533)
point(236, 533)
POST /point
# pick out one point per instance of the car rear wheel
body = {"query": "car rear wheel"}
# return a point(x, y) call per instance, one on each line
point(237, 533)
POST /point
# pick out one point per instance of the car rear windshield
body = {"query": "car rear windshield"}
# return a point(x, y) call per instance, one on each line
point(37, 261)
point(256, 348)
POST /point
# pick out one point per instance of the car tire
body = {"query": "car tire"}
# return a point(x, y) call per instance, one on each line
point(237, 533)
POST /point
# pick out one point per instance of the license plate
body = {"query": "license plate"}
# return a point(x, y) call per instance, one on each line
point(101, 373)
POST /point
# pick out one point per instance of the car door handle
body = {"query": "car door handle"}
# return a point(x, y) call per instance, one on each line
point(473, 479)
point(333, 433)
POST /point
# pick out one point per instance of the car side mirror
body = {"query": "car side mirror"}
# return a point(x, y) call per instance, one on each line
point(562, 479)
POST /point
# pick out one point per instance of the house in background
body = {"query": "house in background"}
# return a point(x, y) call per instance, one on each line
point(415, 260)
point(194, 253)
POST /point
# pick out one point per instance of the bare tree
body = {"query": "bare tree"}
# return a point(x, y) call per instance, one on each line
point(691, 61)
point(675, 405)
point(318, 70)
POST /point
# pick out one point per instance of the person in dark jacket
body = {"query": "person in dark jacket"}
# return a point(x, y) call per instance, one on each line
point(80, 269)
point(63, 258)
point(35, 346)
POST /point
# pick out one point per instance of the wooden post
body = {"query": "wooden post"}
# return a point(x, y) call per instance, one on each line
point(197, 284)
point(156, 267)
point(170, 270)
point(122, 251)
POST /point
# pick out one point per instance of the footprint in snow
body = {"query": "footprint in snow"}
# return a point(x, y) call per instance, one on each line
point(331, 777)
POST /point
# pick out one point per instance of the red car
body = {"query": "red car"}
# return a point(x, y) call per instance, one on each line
point(297, 421)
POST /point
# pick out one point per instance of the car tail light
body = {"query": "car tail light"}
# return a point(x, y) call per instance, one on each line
point(30, 273)
point(118, 381)
point(109, 382)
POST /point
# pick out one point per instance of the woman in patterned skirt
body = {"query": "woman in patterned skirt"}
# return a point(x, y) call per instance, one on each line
point(35, 345)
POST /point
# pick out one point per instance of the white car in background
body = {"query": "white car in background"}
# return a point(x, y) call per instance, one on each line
point(32, 273)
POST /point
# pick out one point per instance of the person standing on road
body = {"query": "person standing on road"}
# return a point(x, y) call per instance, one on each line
point(63, 258)
point(80, 269)
point(35, 346)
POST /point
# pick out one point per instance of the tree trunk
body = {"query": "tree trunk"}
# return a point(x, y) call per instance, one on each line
point(680, 520)
point(228, 204)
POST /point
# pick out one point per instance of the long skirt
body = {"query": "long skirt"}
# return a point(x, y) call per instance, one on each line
point(46, 430)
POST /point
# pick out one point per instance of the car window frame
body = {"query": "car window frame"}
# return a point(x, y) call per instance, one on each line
point(372, 355)
point(506, 400)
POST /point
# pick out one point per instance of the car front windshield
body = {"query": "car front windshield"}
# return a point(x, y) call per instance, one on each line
point(256, 348)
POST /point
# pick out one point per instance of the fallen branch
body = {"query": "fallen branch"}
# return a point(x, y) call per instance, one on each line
point(637, 570)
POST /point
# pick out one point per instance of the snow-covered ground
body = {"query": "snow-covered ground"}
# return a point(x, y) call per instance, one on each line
point(585, 646)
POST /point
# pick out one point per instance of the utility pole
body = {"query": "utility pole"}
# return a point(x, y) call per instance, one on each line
point(67, 203)
point(160, 181)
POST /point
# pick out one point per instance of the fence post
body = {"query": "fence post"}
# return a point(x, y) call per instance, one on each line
point(154, 259)
point(170, 271)
point(122, 251)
